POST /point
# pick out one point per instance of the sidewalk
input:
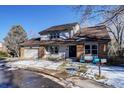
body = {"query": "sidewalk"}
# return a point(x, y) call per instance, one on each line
point(88, 83)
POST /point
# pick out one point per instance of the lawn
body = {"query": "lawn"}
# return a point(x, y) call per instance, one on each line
point(111, 75)
point(114, 75)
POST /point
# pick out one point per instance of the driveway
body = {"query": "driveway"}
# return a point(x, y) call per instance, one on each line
point(36, 64)
point(12, 78)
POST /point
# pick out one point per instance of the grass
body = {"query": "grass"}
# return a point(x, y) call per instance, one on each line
point(3, 55)
point(2, 58)
point(63, 65)
point(82, 69)
point(56, 59)
point(99, 77)
point(52, 59)
point(62, 74)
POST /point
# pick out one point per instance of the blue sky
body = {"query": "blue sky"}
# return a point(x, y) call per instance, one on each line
point(34, 18)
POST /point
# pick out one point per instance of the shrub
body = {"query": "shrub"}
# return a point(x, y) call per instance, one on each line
point(99, 77)
point(62, 74)
point(115, 60)
point(50, 58)
point(63, 65)
point(82, 69)
point(3, 54)
point(68, 60)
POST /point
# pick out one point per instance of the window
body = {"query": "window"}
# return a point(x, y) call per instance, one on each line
point(54, 35)
point(57, 35)
point(46, 47)
point(51, 36)
point(87, 49)
point(94, 49)
point(54, 49)
point(91, 49)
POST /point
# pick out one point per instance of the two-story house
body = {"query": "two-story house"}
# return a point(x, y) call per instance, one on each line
point(67, 41)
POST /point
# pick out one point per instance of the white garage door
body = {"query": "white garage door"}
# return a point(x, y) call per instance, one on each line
point(31, 53)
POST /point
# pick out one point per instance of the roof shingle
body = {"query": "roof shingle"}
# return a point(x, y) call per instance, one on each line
point(93, 33)
point(98, 32)
point(64, 27)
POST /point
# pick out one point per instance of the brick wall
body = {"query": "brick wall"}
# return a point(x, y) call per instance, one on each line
point(102, 49)
point(41, 52)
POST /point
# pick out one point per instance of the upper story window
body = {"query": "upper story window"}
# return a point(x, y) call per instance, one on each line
point(54, 35)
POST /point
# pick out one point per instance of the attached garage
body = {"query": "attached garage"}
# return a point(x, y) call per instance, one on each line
point(30, 53)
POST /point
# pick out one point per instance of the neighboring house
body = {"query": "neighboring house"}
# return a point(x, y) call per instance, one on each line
point(67, 41)
point(3, 47)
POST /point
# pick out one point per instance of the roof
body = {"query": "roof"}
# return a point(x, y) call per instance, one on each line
point(63, 27)
point(37, 42)
point(31, 42)
point(98, 32)
point(91, 33)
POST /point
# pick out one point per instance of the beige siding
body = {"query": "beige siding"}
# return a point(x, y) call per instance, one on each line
point(22, 53)
point(80, 50)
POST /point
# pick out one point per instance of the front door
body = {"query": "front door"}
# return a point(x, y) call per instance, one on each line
point(72, 51)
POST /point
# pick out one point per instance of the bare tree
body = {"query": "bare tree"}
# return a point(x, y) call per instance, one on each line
point(116, 28)
point(15, 36)
point(98, 12)
point(111, 16)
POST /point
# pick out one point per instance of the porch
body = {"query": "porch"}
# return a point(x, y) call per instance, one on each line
point(76, 52)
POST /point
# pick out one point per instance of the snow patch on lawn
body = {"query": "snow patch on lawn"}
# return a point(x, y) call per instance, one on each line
point(114, 75)
point(36, 64)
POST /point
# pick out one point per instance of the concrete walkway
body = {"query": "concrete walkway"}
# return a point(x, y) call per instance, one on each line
point(87, 83)
point(90, 84)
